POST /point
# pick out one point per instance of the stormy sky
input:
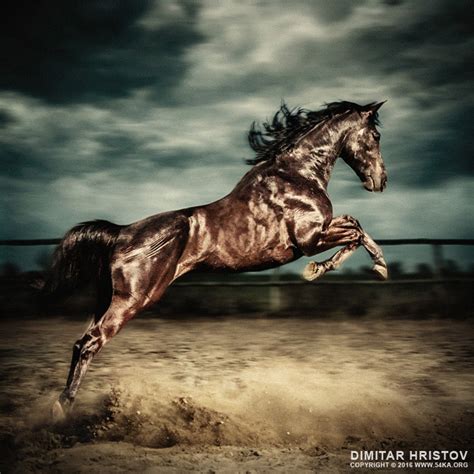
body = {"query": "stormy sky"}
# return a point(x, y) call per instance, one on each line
point(122, 109)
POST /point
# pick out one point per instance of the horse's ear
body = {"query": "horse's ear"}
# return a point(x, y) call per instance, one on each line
point(371, 109)
point(377, 106)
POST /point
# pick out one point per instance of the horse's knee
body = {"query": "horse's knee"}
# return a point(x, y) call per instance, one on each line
point(353, 222)
point(347, 221)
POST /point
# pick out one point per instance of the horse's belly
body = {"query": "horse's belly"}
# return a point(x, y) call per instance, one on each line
point(249, 252)
point(232, 261)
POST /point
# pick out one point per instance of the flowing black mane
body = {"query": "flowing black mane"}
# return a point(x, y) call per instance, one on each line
point(287, 125)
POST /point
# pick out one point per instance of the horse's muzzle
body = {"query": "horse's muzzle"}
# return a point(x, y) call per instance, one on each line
point(373, 184)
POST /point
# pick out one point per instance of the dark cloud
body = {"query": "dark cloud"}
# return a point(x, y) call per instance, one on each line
point(67, 51)
point(333, 11)
point(118, 154)
point(439, 157)
point(5, 118)
point(434, 47)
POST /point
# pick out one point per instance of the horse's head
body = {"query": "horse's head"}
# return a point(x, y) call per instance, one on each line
point(361, 148)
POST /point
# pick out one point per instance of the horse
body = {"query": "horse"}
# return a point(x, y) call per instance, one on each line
point(279, 211)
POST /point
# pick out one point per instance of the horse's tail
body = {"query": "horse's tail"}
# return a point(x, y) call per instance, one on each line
point(83, 255)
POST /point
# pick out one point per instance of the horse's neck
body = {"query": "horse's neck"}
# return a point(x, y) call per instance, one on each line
point(313, 157)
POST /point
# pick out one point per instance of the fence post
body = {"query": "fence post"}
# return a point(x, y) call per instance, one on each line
point(440, 289)
point(438, 259)
point(275, 292)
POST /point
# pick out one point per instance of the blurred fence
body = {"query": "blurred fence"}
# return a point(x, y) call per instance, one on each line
point(437, 246)
point(441, 294)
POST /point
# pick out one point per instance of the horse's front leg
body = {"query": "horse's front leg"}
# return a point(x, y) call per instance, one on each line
point(347, 232)
point(317, 269)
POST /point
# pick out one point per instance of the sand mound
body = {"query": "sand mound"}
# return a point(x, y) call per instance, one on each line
point(159, 424)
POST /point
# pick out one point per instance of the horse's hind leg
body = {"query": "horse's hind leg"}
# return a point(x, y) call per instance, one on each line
point(126, 302)
point(104, 298)
point(121, 310)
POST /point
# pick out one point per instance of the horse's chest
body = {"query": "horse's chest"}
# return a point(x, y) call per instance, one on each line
point(306, 220)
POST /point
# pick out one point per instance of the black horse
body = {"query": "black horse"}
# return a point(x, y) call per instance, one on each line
point(279, 211)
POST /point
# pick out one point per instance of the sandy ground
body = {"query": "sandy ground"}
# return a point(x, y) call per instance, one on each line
point(236, 395)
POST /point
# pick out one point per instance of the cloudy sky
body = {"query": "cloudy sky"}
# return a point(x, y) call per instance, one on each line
point(122, 109)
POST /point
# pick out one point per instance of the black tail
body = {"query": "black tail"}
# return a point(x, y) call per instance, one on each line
point(83, 255)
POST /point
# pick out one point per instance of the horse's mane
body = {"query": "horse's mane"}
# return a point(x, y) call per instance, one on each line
point(287, 125)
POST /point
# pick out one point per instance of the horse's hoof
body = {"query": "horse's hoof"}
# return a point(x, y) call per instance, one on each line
point(380, 271)
point(312, 271)
point(57, 412)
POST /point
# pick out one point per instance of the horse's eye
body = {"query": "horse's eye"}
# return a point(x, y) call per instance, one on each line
point(376, 135)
